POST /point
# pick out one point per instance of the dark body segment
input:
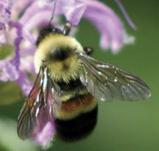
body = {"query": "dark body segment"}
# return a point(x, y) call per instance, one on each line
point(77, 128)
point(83, 113)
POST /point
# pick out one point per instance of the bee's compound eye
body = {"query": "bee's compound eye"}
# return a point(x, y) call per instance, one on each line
point(59, 54)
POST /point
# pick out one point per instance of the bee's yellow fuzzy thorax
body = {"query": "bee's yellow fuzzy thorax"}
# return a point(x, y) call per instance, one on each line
point(59, 70)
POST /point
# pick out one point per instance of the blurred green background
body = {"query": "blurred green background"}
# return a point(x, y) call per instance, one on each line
point(122, 126)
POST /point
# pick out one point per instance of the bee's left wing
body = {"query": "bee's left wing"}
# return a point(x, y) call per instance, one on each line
point(37, 107)
point(107, 82)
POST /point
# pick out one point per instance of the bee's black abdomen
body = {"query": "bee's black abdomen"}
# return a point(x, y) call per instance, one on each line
point(77, 128)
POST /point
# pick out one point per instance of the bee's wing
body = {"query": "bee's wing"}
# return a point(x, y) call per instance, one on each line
point(107, 82)
point(38, 104)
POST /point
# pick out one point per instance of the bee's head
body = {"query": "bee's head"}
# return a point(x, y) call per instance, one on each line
point(59, 53)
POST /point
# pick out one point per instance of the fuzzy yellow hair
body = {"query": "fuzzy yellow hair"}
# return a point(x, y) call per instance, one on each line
point(59, 70)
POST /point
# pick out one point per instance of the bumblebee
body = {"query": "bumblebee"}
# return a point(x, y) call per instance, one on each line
point(69, 84)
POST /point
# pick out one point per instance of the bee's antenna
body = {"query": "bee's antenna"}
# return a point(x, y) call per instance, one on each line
point(53, 12)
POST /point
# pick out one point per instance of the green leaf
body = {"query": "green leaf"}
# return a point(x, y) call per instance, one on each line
point(10, 93)
point(5, 50)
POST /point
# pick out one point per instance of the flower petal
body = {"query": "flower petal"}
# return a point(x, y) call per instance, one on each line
point(45, 130)
point(10, 67)
point(24, 83)
point(8, 71)
point(17, 41)
point(73, 10)
point(34, 9)
point(44, 137)
point(4, 13)
point(107, 23)
point(20, 6)
point(3, 38)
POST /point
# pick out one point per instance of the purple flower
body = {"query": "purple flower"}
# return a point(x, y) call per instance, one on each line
point(19, 25)
point(5, 14)
point(44, 132)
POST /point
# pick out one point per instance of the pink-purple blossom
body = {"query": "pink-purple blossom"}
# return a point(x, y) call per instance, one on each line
point(44, 132)
point(19, 25)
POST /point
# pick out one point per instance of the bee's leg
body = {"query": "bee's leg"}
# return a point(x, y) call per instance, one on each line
point(67, 28)
point(88, 50)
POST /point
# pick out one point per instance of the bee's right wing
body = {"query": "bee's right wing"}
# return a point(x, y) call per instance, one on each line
point(37, 106)
point(107, 82)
